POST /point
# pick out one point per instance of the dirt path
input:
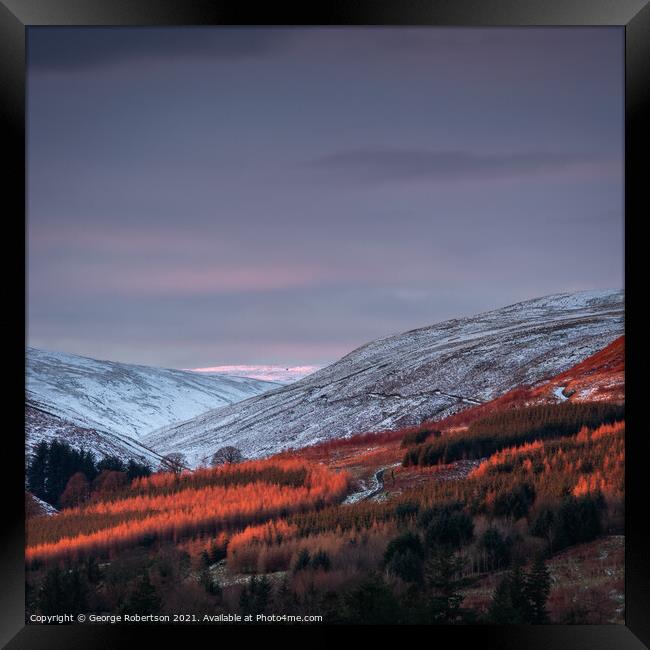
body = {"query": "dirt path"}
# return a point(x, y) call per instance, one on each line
point(379, 479)
point(376, 486)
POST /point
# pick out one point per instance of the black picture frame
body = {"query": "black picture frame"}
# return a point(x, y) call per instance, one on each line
point(18, 15)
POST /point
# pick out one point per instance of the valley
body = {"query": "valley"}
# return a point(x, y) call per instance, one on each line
point(109, 407)
point(448, 518)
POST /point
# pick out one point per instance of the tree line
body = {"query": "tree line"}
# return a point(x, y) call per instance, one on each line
point(513, 427)
point(54, 463)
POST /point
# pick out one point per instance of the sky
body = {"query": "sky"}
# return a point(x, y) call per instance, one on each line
point(204, 197)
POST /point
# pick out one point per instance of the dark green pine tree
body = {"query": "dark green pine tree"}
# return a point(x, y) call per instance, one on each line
point(416, 605)
point(37, 471)
point(510, 604)
point(136, 470)
point(111, 463)
point(286, 599)
point(263, 595)
point(255, 598)
point(77, 592)
point(310, 599)
point(331, 608)
point(51, 594)
point(537, 588)
point(371, 603)
point(86, 464)
point(440, 573)
point(92, 570)
point(217, 553)
point(502, 610)
point(63, 591)
point(59, 470)
point(143, 600)
point(247, 598)
point(302, 561)
point(321, 560)
point(51, 467)
point(518, 593)
point(407, 566)
point(208, 583)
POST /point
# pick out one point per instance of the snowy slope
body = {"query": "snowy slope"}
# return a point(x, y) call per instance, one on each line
point(404, 379)
point(124, 399)
point(35, 507)
point(43, 426)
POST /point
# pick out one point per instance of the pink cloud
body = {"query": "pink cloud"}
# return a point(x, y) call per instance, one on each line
point(137, 278)
point(215, 280)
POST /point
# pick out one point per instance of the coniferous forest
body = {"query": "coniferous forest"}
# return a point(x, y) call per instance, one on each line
point(489, 542)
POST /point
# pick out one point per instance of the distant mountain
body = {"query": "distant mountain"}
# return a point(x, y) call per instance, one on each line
point(111, 406)
point(278, 374)
point(405, 379)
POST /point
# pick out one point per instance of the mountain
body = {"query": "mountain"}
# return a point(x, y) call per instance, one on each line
point(404, 379)
point(598, 378)
point(278, 374)
point(43, 426)
point(112, 405)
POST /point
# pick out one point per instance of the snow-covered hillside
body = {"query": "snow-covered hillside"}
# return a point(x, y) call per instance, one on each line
point(124, 399)
point(43, 426)
point(410, 377)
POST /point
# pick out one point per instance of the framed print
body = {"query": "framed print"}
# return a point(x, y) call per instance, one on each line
point(325, 321)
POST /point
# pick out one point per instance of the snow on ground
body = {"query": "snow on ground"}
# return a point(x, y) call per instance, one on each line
point(42, 426)
point(124, 399)
point(45, 506)
point(404, 379)
point(367, 489)
point(558, 391)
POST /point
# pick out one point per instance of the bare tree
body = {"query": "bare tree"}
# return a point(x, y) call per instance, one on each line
point(175, 462)
point(226, 456)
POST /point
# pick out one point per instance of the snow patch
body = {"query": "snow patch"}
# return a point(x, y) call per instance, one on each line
point(278, 374)
point(558, 391)
point(47, 509)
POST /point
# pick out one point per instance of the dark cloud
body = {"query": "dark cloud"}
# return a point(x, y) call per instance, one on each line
point(405, 164)
point(70, 48)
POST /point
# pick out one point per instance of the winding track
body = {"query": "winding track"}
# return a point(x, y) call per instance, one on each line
point(379, 477)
